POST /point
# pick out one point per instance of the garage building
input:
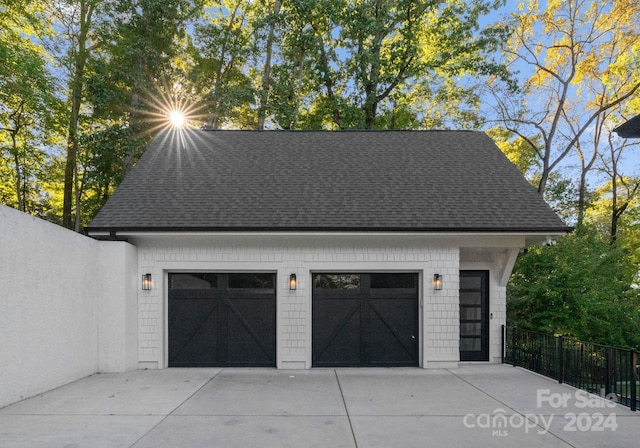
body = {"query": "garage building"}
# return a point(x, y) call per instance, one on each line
point(296, 249)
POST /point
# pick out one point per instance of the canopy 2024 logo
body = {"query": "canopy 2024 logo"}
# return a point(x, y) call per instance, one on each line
point(500, 421)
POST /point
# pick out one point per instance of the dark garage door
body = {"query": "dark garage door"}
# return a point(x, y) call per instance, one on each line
point(218, 320)
point(365, 320)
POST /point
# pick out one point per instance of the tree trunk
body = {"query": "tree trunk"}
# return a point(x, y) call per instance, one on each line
point(296, 110)
point(542, 185)
point(135, 128)
point(127, 160)
point(16, 160)
point(615, 212)
point(71, 166)
point(370, 117)
point(582, 192)
point(71, 162)
point(329, 83)
point(78, 186)
point(266, 75)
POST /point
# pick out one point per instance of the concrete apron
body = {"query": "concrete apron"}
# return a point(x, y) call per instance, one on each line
point(474, 405)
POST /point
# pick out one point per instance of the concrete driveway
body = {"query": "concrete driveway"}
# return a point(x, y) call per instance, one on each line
point(474, 405)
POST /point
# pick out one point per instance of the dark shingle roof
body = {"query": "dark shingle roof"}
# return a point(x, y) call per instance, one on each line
point(325, 180)
point(629, 129)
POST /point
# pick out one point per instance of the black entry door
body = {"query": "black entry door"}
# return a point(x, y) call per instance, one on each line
point(218, 320)
point(474, 315)
point(365, 320)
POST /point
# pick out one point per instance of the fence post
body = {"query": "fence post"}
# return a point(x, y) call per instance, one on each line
point(609, 380)
point(561, 359)
point(504, 342)
point(633, 381)
point(513, 346)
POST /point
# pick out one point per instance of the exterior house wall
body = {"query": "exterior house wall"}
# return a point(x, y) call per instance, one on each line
point(71, 306)
point(303, 255)
point(499, 263)
point(117, 307)
point(56, 287)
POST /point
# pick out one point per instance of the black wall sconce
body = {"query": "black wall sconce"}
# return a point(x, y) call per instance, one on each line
point(293, 282)
point(437, 282)
point(146, 282)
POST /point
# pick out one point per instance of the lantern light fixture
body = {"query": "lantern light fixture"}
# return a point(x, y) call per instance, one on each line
point(146, 282)
point(293, 282)
point(437, 282)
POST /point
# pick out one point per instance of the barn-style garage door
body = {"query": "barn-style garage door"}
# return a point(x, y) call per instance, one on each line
point(218, 320)
point(365, 320)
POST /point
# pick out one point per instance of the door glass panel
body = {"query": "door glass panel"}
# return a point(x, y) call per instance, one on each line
point(470, 344)
point(470, 298)
point(470, 282)
point(336, 281)
point(251, 281)
point(471, 329)
point(470, 313)
point(393, 281)
point(193, 281)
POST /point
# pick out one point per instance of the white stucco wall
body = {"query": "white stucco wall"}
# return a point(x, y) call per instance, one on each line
point(54, 290)
point(305, 254)
point(118, 307)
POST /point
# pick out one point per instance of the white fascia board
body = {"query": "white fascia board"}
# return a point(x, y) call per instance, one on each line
point(450, 239)
point(315, 233)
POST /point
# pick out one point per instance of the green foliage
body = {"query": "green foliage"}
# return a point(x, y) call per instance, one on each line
point(518, 150)
point(220, 52)
point(27, 107)
point(580, 287)
point(105, 150)
point(562, 195)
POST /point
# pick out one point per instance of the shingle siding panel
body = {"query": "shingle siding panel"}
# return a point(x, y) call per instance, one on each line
point(361, 180)
point(440, 308)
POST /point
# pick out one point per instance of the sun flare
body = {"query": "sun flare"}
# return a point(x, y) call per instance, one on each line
point(177, 118)
point(169, 107)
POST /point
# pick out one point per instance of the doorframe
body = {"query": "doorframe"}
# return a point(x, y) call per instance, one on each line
point(485, 310)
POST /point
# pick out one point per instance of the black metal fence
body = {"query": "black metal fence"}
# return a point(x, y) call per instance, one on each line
point(598, 369)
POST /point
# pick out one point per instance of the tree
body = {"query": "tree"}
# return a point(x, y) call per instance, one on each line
point(122, 87)
point(578, 57)
point(266, 71)
point(614, 200)
point(27, 102)
point(580, 287)
point(142, 38)
point(77, 19)
point(392, 42)
point(220, 53)
point(520, 151)
point(373, 58)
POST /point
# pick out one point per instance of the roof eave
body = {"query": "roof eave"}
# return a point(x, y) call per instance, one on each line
point(629, 129)
point(119, 232)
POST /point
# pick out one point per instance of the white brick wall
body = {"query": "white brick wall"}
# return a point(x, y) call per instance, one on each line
point(302, 255)
point(67, 306)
